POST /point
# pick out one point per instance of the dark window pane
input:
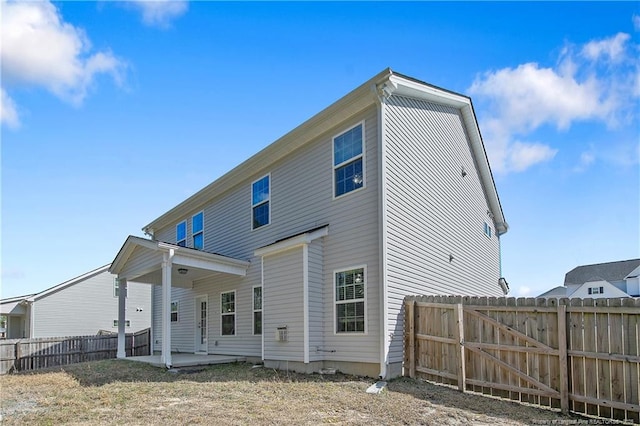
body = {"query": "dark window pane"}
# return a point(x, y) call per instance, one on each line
point(347, 145)
point(181, 231)
point(260, 191)
point(198, 241)
point(257, 323)
point(228, 325)
point(349, 177)
point(196, 223)
point(260, 215)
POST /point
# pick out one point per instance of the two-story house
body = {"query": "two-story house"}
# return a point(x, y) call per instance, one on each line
point(301, 256)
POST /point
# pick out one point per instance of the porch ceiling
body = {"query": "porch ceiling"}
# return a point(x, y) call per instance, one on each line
point(140, 260)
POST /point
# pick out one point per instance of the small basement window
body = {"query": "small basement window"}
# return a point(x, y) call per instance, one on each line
point(127, 323)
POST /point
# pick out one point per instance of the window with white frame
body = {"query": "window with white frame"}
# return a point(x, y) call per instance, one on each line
point(260, 200)
point(257, 310)
point(174, 311)
point(197, 229)
point(487, 230)
point(348, 171)
point(350, 301)
point(596, 290)
point(127, 323)
point(228, 313)
point(181, 234)
point(116, 288)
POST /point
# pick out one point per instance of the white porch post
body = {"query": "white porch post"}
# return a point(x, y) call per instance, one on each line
point(122, 313)
point(166, 308)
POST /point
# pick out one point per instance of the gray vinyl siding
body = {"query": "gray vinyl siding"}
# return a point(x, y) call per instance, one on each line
point(433, 211)
point(283, 305)
point(302, 199)
point(88, 306)
point(316, 307)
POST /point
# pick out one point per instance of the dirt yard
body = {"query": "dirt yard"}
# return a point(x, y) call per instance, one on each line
point(124, 392)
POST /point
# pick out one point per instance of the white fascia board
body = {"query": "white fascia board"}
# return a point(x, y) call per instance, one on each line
point(414, 89)
point(289, 243)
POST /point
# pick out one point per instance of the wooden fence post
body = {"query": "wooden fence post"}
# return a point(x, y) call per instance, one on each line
point(563, 359)
point(410, 308)
point(459, 315)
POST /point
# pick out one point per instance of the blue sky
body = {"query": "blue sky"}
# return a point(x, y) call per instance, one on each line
point(114, 112)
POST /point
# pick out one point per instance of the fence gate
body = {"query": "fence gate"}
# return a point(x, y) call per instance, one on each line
point(583, 357)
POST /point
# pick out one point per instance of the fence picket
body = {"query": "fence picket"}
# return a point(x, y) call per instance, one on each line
point(579, 355)
point(34, 354)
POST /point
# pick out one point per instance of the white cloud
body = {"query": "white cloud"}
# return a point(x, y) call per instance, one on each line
point(523, 291)
point(612, 48)
point(160, 13)
point(597, 82)
point(8, 112)
point(40, 49)
point(636, 22)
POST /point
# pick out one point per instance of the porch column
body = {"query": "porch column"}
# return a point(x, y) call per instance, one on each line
point(122, 313)
point(167, 263)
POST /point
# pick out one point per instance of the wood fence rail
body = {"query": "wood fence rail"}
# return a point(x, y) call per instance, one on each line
point(580, 355)
point(34, 354)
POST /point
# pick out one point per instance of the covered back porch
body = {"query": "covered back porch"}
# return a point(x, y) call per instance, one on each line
point(169, 265)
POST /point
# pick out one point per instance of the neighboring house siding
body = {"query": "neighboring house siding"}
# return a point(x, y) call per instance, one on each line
point(282, 305)
point(433, 211)
point(301, 188)
point(89, 306)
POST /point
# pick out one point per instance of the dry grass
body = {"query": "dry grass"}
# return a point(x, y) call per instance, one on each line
point(124, 392)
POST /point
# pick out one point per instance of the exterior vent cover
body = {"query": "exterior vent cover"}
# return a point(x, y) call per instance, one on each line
point(281, 334)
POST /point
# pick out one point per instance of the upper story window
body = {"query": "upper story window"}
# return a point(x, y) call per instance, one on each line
point(260, 200)
point(197, 229)
point(350, 301)
point(596, 290)
point(348, 167)
point(181, 234)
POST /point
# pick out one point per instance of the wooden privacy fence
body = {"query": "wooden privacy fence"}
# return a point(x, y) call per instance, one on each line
point(580, 355)
point(34, 354)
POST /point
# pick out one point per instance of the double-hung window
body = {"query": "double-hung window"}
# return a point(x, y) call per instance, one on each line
point(348, 166)
point(257, 310)
point(197, 229)
point(116, 288)
point(174, 311)
point(487, 230)
point(181, 234)
point(260, 200)
point(350, 301)
point(228, 313)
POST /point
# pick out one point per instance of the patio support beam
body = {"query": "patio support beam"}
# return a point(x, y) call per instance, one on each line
point(122, 314)
point(167, 264)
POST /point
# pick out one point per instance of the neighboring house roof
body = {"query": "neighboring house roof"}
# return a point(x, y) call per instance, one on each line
point(5, 303)
point(611, 271)
point(559, 291)
point(384, 84)
point(12, 305)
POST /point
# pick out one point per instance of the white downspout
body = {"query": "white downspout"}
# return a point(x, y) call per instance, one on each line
point(382, 228)
point(167, 263)
point(305, 300)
